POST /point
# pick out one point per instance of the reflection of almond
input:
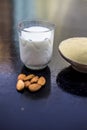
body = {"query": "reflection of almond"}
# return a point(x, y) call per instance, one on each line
point(30, 76)
point(35, 79)
point(34, 87)
point(20, 85)
point(21, 76)
point(41, 81)
point(26, 84)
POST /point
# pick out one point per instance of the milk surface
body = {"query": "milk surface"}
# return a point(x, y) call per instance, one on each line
point(36, 33)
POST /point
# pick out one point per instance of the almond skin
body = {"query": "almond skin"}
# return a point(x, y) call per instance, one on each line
point(34, 87)
point(20, 85)
point(41, 81)
point(35, 79)
point(21, 76)
point(26, 84)
point(29, 77)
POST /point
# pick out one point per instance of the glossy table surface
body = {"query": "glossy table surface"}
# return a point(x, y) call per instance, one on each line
point(62, 103)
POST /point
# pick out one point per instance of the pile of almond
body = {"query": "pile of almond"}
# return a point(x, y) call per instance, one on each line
point(31, 82)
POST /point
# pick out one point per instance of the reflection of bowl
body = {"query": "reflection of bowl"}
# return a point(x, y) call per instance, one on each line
point(74, 51)
point(72, 81)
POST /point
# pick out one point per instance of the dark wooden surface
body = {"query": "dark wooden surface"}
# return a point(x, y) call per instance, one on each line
point(62, 103)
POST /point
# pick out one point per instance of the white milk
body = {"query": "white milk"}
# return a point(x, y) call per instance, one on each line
point(36, 45)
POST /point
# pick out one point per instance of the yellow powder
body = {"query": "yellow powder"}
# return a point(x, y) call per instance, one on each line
point(75, 49)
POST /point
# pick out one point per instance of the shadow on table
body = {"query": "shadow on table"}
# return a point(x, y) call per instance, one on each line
point(72, 81)
point(45, 90)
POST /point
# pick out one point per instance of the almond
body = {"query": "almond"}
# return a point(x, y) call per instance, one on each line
point(34, 87)
point(41, 81)
point(26, 84)
point(21, 76)
point(30, 76)
point(35, 79)
point(20, 85)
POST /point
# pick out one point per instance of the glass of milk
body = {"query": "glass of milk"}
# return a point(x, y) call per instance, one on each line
point(36, 43)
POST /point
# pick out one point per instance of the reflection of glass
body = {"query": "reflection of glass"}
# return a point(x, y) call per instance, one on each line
point(72, 81)
point(36, 43)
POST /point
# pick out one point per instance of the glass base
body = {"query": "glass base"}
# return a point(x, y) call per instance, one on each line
point(36, 67)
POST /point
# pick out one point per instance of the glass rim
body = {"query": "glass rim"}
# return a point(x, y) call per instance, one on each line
point(49, 25)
